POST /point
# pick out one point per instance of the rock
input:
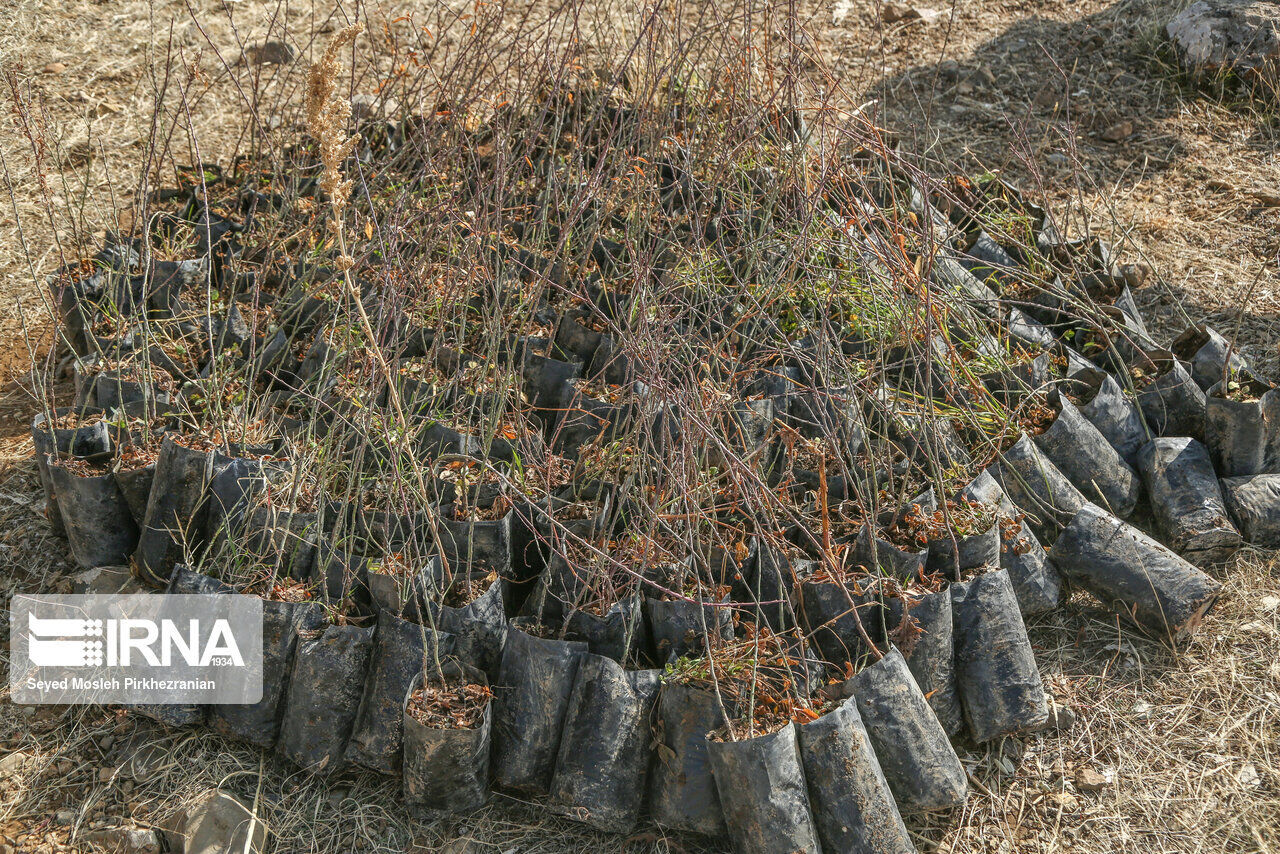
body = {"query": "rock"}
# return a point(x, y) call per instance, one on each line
point(139, 758)
point(270, 53)
point(125, 840)
point(460, 846)
point(12, 764)
point(106, 579)
point(1064, 800)
point(1060, 717)
point(54, 68)
point(1088, 780)
point(217, 823)
point(1135, 275)
point(65, 817)
point(892, 13)
point(1218, 37)
point(840, 11)
point(1118, 132)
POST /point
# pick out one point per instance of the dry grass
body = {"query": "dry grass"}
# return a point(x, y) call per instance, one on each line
point(1191, 743)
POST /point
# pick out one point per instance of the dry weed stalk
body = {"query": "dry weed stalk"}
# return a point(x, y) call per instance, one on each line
point(328, 115)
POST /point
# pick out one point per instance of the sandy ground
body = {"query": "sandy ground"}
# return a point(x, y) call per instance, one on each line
point(1073, 98)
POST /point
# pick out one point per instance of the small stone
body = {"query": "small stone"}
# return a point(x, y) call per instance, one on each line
point(892, 13)
point(217, 822)
point(459, 846)
point(65, 817)
point(106, 579)
point(1060, 717)
point(140, 757)
point(270, 53)
point(1063, 800)
point(364, 106)
point(125, 840)
point(1088, 780)
point(1119, 131)
point(54, 68)
point(13, 763)
point(1135, 275)
point(841, 11)
point(106, 774)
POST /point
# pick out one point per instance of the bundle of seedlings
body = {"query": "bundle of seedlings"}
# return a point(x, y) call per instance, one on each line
point(687, 608)
point(94, 513)
point(111, 384)
point(961, 534)
point(606, 745)
point(534, 686)
point(1242, 424)
point(66, 432)
point(290, 612)
point(326, 686)
point(447, 722)
point(593, 590)
point(755, 755)
point(474, 537)
point(468, 603)
point(402, 651)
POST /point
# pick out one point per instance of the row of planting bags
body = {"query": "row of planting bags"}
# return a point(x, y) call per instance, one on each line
point(601, 740)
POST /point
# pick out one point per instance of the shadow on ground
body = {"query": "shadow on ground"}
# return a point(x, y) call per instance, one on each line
point(1093, 113)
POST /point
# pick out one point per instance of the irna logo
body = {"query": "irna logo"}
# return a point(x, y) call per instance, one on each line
point(61, 642)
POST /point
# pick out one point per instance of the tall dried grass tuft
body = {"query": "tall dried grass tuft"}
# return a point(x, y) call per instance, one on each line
point(328, 116)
